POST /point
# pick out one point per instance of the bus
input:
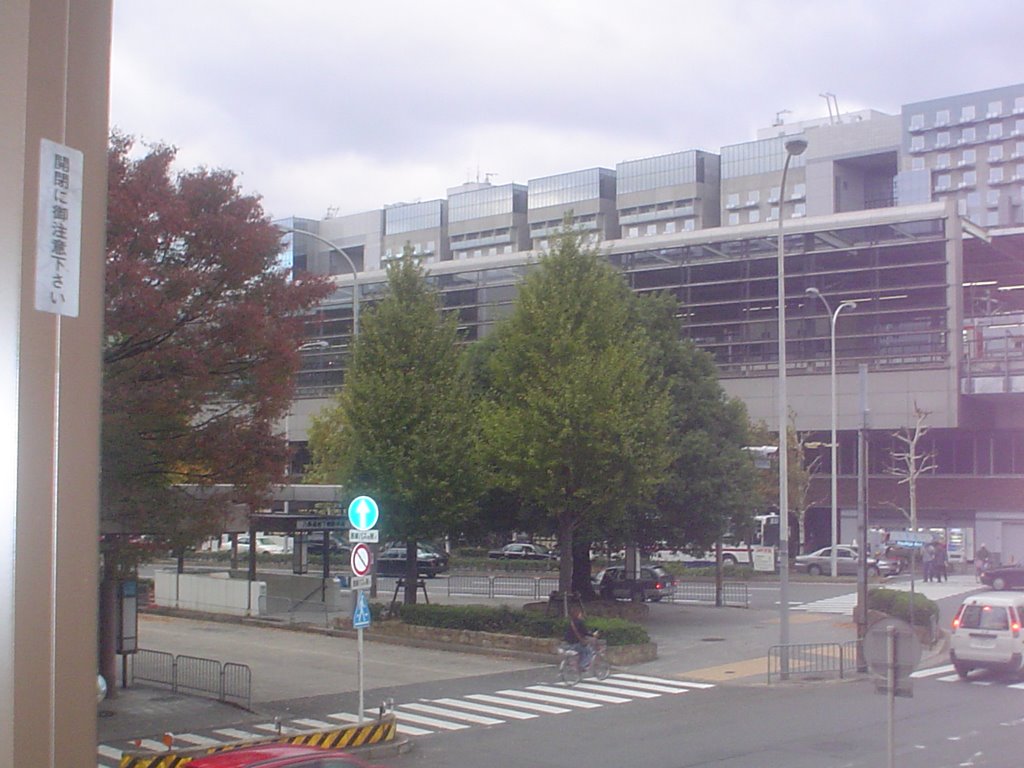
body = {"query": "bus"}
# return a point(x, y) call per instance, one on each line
point(735, 550)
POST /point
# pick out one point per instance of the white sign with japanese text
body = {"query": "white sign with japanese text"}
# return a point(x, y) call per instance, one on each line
point(59, 229)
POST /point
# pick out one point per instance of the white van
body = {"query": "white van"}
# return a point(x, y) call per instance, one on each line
point(987, 633)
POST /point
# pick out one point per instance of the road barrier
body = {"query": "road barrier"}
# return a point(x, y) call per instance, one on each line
point(230, 683)
point(808, 660)
point(734, 593)
point(531, 587)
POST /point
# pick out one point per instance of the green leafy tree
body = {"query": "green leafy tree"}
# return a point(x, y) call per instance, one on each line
point(574, 422)
point(709, 488)
point(403, 428)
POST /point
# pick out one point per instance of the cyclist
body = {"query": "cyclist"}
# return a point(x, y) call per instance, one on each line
point(579, 637)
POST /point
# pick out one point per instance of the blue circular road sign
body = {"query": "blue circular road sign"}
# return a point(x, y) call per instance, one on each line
point(363, 513)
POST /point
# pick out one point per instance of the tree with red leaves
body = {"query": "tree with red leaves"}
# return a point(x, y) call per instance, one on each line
point(202, 331)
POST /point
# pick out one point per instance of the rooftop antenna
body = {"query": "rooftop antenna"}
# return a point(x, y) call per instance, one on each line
point(778, 117)
point(833, 107)
point(487, 177)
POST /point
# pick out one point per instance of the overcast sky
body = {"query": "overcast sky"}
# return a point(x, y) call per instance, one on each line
point(345, 105)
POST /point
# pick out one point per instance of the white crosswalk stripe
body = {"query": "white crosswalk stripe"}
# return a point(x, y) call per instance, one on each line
point(546, 709)
point(551, 699)
point(845, 604)
point(945, 669)
point(430, 716)
point(447, 712)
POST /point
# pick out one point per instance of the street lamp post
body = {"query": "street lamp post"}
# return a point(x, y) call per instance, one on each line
point(351, 265)
point(794, 146)
point(833, 317)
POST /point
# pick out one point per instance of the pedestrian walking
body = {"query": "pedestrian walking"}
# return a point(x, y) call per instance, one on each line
point(940, 565)
point(981, 561)
point(928, 560)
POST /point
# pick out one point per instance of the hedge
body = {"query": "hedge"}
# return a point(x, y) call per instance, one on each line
point(896, 603)
point(505, 620)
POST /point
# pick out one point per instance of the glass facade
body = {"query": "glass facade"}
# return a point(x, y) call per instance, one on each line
point(756, 157)
point(490, 201)
point(412, 217)
point(662, 171)
point(568, 188)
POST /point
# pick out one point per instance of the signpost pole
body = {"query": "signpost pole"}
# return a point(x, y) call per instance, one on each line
point(359, 655)
point(363, 515)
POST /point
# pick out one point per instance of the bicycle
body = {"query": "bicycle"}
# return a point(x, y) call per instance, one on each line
point(569, 669)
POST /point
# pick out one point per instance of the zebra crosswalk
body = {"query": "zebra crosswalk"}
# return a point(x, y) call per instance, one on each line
point(844, 604)
point(426, 717)
point(946, 673)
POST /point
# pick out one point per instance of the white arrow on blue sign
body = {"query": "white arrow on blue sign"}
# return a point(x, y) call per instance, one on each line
point(361, 615)
point(363, 513)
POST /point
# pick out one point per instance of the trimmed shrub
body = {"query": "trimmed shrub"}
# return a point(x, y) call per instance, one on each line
point(896, 603)
point(505, 620)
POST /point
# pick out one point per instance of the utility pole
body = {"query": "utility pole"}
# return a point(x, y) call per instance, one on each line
point(862, 519)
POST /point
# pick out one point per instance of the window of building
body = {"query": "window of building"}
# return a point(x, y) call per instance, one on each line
point(916, 143)
point(1020, 171)
point(943, 182)
point(995, 175)
point(1019, 149)
point(992, 218)
point(652, 229)
point(961, 207)
point(799, 209)
point(754, 197)
point(670, 227)
point(973, 199)
point(993, 197)
point(942, 139)
point(970, 178)
point(799, 191)
point(995, 152)
point(689, 225)
point(916, 122)
point(732, 200)
point(734, 218)
point(967, 113)
point(942, 117)
point(773, 195)
point(995, 131)
point(941, 161)
point(968, 157)
point(754, 217)
point(773, 214)
point(995, 109)
point(1018, 104)
point(917, 164)
point(968, 135)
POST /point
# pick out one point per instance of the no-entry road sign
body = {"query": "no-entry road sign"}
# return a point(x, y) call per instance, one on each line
point(360, 560)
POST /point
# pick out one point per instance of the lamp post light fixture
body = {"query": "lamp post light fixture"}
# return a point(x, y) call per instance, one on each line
point(351, 265)
point(833, 317)
point(794, 146)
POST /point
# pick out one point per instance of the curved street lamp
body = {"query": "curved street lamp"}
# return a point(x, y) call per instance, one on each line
point(794, 146)
point(351, 265)
point(833, 316)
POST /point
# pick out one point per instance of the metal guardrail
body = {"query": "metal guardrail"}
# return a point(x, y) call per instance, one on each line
point(535, 587)
point(229, 682)
point(734, 593)
point(807, 660)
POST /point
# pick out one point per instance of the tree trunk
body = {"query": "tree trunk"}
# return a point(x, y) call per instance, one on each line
point(108, 621)
point(581, 583)
point(565, 561)
point(411, 571)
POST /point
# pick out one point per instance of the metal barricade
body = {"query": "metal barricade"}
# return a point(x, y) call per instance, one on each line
point(734, 593)
point(810, 660)
point(530, 587)
point(230, 682)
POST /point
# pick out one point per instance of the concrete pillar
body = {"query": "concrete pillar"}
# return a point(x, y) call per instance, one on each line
point(54, 55)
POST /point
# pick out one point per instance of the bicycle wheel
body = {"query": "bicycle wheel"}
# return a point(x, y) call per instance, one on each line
point(600, 667)
point(569, 672)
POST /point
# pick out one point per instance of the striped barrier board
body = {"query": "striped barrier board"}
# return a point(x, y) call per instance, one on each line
point(350, 737)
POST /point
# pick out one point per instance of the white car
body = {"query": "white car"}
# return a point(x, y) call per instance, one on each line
point(265, 545)
point(986, 633)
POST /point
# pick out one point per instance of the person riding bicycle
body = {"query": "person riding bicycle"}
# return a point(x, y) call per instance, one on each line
point(578, 637)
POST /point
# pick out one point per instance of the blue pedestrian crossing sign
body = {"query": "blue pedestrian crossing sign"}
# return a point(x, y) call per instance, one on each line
point(361, 615)
point(363, 513)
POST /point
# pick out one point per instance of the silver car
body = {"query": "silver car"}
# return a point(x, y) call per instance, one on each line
point(820, 562)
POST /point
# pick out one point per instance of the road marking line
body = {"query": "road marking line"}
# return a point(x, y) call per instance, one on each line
point(152, 745)
point(662, 680)
point(410, 730)
point(427, 709)
point(235, 733)
point(948, 679)
point(545, 708)
point(643, 686)
point(106, 751)
point(489, 710)
point(933, 671)
point(579, 704)
point(603, 687)
point(429, 721)
point(572, 692)
point(310, 723)
point(199, 741)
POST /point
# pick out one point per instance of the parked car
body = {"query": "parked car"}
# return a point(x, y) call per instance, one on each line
point(265, 545)
point(1003, 576)
point(517, 551)
point(335, 546)
point(392, 561)
point(820, 562)
point(986, 633)
point(280, 756)
point(654, 583)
